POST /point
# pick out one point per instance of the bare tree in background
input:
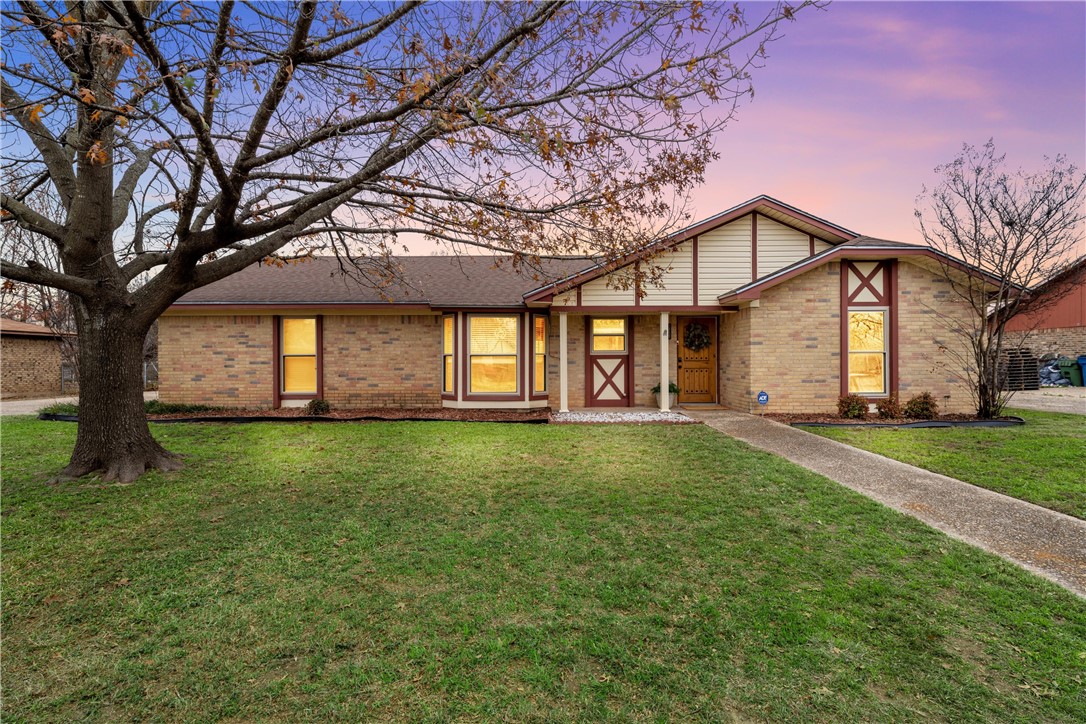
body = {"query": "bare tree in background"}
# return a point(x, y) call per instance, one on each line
point(1022, 228)
point(192, 140)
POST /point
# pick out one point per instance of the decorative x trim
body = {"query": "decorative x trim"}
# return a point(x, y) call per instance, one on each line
point(866, 282)
point(609, 378)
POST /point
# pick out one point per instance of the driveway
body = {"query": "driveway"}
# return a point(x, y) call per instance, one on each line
point(1052, 399)
point(29, 407)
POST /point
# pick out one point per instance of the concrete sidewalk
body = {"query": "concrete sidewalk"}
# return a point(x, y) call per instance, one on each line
point(1048, 543)
point(30, 407)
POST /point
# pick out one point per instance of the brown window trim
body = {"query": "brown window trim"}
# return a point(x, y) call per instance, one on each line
point(532, 393)
point(455, 357)
point(277, 361)
point(888, 300)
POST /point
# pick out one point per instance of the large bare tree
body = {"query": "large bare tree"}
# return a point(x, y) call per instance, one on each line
point(191, 140)
point(1022, 228)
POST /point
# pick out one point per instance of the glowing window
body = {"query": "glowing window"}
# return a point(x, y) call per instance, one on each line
point(867, 352)
point(448, 327)
point(492, 354)
point(299, 355)
point(609, 336)
point(539, 354)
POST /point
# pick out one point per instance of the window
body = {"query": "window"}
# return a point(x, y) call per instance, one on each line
point(448, 323)
point(539, 354)
point(492, 354)
point(867, 352)
point(609, 336)
point(299, 355)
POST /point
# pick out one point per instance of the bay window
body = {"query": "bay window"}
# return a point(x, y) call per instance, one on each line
point(539, 354)
point(448, 345)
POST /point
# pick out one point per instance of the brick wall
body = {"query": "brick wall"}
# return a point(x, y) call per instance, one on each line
point(1064, 341)
point(215, 360)
point(574, 362)
point(795, 353)
point(382, 360)
point(928, 347)
point(734, 387)
point(30, 366)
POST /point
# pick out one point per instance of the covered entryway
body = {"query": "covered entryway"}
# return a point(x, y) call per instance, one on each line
point(697, 373)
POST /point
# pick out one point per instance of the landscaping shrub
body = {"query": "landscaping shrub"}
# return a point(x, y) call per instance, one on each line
point(922, 407)
point(317, 407)
point(155, 407)
point(852, 407)
point(890, 408)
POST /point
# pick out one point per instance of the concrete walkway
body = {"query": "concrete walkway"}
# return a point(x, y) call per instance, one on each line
point(30, 407)
point(1052, 399)
point(1048, 543)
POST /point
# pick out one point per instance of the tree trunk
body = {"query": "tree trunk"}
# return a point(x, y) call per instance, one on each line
point(113, 435)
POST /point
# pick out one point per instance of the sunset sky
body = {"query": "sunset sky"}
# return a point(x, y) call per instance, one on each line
point(859, 103)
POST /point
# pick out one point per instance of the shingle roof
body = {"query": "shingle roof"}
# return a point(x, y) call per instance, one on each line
point(23, 329)
point(437, 281)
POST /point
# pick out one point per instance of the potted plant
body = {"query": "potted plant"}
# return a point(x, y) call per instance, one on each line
point(672, 394)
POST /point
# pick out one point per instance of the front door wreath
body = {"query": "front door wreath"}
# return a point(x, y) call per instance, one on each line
point(696, 337)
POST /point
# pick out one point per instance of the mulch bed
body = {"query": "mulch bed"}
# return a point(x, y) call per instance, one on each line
point(954, 420)
point(374, 414)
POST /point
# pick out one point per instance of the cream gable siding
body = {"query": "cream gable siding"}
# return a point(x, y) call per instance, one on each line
point(724, 259)
point(569, 299)
point(779, 246)
point(821, 246)
point(596, 293)
point(677, 279)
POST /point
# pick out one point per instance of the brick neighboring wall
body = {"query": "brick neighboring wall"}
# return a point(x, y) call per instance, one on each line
point(382, 360)
point(1062, 341)
point(29, 366)
point(928, 313)
point(215, 360)
point(795, 352)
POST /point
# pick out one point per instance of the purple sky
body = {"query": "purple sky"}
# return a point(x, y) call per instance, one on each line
point(859, 103)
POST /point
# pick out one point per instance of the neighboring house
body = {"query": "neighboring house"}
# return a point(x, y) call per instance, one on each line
point(1058, 326)
point(29, 360)
point(761, 297)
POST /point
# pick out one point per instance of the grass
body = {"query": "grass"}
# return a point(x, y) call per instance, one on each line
point(450, 571)
point(1042, 461)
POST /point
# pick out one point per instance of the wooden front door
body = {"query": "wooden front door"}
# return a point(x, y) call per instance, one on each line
point(609, 347)
point(697, 367)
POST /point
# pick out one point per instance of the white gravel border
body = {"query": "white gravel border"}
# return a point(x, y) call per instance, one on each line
point(622, 417)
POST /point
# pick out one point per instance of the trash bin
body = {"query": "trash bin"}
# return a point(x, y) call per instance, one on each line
point(1070, 369)
point(1082, 366)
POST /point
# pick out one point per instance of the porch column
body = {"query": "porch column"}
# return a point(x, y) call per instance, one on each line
point(563, 373)
point(665, 362)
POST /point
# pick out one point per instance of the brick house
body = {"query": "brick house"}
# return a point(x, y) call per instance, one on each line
point(1058, 325)
point(30, 360)
point(761, 297)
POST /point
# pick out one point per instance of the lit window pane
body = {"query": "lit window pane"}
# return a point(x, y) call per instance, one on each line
point(541, 373)
point(448, 385)
point(299, 374)
point(493, 335)
point(493, 374)
point(608, 326)
point(607, 343)
point(866, 331)
point(448, 335)
point(866, 373)
point(540, 335)
point(299, 336)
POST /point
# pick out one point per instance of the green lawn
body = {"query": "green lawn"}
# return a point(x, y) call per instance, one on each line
point(1043, 461)
point(444, 571)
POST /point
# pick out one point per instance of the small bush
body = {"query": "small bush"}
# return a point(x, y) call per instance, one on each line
point(60, 408)
point(155, 407)
point(890, 408)
point(852, 407)
point(922, 407)
point(317, 407)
